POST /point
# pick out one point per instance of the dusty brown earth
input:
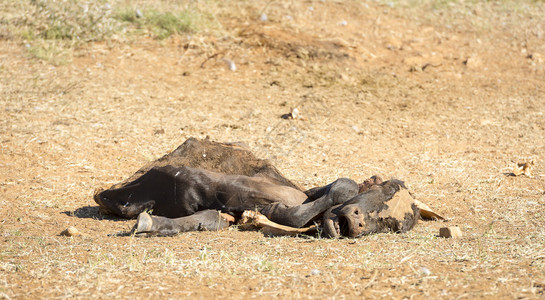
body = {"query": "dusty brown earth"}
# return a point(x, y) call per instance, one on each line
point(447, 96)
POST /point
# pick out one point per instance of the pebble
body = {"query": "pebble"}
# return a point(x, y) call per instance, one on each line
point(70, 231)
point(450, 232)
point(473, 62)
point(230, 64)
point(535, 56)
point(315, 272)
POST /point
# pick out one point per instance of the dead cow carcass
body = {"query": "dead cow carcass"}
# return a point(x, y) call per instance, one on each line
point(205, 185)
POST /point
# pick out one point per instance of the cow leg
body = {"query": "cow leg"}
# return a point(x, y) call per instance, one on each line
point(203, 220)
point(338, 192)
point(317, 192)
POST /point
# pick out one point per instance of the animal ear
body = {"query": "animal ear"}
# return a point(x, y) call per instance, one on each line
point(426, 213)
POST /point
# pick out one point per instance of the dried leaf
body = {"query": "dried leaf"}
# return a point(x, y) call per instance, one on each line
point(524, 168)
point(295, 114)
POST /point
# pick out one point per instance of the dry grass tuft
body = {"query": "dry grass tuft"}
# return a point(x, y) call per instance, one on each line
point(53, 30)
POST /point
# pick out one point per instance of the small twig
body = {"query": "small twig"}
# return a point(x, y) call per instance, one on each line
point(70, 86)
point(373, 277)
point(265, 7)
point(211, 57)
point(185, 52)
point(430, 65)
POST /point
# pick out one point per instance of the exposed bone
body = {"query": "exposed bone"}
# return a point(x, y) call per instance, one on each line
point(398, 206)
point(269, 227)
point(426, 212)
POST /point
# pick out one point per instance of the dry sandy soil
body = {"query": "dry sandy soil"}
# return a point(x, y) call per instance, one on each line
point(447, 96)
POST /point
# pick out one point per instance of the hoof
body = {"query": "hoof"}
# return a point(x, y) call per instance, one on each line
point(143, 223)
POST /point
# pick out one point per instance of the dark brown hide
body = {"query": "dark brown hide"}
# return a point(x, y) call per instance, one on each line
point(182, 191)
point(368, 183)
point(224, 158)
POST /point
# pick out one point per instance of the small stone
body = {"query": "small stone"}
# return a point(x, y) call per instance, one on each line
point(393, 44)
point(295, 114)
point(159, 131)
point(473, 62)
point(536, 57)
point(230, 64)
point(315, 272)
point(138, 14)
point(263, 17)
point(70, 231)
point(450, 232)
point(425, 271)
point(415, 63)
